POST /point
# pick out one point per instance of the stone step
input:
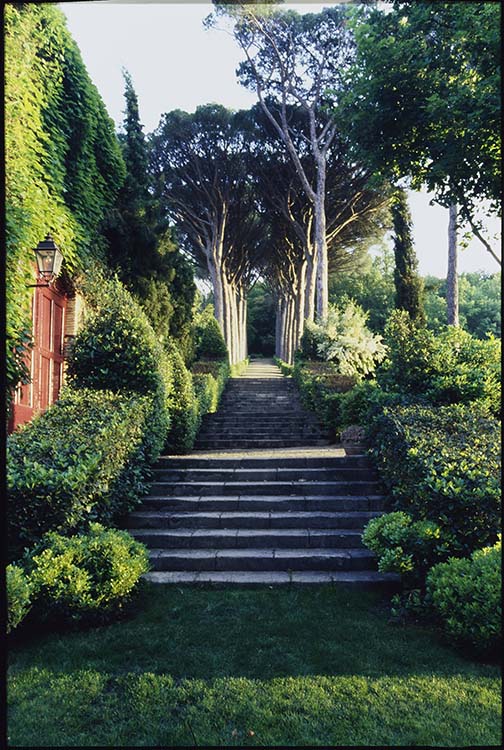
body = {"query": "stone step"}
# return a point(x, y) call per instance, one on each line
point(239, 538)
point(272, 474)
point(241, 462)
point(313, 519)
point(216, 432)
point(258, 443)
point(355, 578)
point(262, 559)
point(166, 489)
point(243, 503)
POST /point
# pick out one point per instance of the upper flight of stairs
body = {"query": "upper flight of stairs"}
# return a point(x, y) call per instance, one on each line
point(261, 516)
point(260, 409)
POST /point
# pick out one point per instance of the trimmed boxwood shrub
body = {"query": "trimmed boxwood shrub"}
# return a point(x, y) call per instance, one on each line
point(117, 350)
point(18, 596)
point(208, 337)
point(89, 575)
point(183, 406)
point(86, 458)
point(443, 464)
point(466, 595)
point(405, 546)
point(209, 378)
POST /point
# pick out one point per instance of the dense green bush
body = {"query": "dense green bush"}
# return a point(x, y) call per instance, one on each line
point(366, 401)
point(184, 411)
point(321, 389)
point(466, 594)
point(443, 464)
point(451, 367)
point(18, 596)
point(344, 339)
point(86, 458)
point(116, 348)
point(209, 378)
point(87, 575)
point(405, 546)
point(209, 340)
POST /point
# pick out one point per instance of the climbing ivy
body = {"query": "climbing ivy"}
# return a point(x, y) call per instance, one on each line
point(62, 159)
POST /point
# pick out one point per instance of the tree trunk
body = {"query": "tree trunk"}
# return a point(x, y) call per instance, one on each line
point(216, 279)
point(452, 278)
point(321, 247)
point(311, 275)
point(278, 327)
point(300, 305)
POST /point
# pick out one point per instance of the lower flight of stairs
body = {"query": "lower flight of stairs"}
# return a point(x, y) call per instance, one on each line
point(261, 520)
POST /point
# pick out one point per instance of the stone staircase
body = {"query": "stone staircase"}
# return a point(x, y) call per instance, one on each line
point(260, 409)
point(289, 513)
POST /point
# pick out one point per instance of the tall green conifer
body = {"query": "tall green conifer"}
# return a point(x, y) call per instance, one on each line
point(408, 284)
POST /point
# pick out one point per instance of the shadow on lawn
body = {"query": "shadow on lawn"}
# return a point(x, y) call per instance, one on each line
point(209, 633)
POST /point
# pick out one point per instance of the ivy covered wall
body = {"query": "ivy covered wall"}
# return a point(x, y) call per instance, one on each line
point(63, 162)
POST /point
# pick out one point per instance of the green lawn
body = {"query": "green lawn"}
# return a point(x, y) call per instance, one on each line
point(245, 667)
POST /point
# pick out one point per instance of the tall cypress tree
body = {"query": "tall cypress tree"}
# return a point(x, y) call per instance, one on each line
point(142, 250)
point(408, 283)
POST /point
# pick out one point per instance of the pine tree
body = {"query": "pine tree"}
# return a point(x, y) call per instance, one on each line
point(408, 283)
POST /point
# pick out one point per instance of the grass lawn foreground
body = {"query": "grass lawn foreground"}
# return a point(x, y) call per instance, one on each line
point(245, 667)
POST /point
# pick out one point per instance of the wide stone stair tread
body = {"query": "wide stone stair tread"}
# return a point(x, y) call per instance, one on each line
point(265, 503)
point(260, 558)
point(371, 579)
point(250, 520)
point(264, 473)
point(201, 537)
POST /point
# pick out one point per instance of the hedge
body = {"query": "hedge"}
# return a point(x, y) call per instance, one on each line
point(443, 465)
point(183, 407)
point(87, 576)
point(466, 595)
point(86, 458)
point(321, 389)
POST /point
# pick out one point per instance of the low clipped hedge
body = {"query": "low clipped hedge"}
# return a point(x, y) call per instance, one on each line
point(466, 594)
point(86, 458)
point(86, 576)
point(322, 389)
point(443, 464)
point(209, 378)
point(184, 408)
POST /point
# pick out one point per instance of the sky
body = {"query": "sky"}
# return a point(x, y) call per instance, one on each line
point(176, 64)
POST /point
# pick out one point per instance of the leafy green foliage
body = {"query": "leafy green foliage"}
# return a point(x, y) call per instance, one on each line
point(261, 311)
point(63, 164)
point(452, 367)
point(479, 303)
point(183, 406)
point(209, 340)
point(408, 284)
point(405, 546)
point(370, 286)
point(19, 593)
point(443, 464)
point(345, 340)
point(467, 596)
point(432, 112)
point(116, 347)
point(209, 378)
point(86, 458)
point(322, 390)
point(87, 576)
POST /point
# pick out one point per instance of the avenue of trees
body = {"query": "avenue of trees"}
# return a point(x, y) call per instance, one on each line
point(292, 192)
